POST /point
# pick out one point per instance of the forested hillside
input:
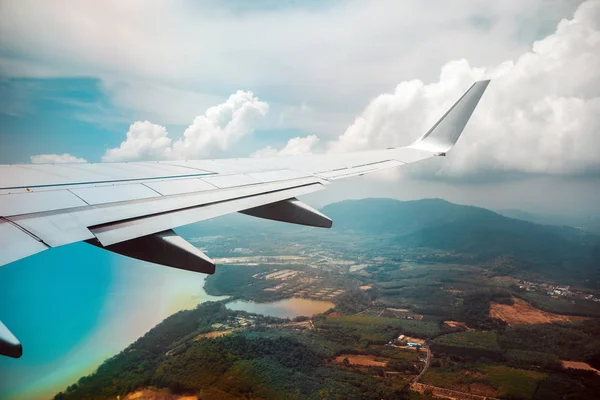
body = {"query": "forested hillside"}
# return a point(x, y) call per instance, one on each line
point(472, 234)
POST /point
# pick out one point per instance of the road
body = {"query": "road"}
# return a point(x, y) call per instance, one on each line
point(427, 363)
point(442, 392)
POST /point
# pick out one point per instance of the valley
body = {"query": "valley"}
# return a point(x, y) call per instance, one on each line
point(381, 319)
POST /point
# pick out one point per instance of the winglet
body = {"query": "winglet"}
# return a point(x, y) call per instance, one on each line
point(443, 135)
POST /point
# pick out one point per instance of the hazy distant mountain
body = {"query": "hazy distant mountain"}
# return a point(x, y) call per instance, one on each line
point(555, 251)
point(590, 223)
point(463, 234)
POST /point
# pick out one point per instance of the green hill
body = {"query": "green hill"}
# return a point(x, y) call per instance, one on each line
point(475, 234)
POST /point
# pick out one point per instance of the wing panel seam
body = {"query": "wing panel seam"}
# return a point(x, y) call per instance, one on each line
point(110, 181)
point(79, 197)
point(33, 236)
point(109, 224)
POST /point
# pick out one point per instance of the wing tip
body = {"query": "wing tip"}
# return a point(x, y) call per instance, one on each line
point(444, 134)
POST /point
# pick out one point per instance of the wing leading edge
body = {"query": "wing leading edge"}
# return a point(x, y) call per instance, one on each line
point(127, 207)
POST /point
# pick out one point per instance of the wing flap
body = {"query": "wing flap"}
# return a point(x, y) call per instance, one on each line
point(291, 210)
point(9, 344)
point(164, 248)
point(57, 228)
point(121, 231)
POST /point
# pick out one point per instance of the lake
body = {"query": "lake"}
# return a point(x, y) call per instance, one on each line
point(287, 308)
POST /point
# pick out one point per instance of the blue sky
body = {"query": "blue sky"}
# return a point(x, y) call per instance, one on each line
point(48, 116)
point(75, 116)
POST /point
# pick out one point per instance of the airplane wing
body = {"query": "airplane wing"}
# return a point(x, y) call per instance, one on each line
point(130, 208)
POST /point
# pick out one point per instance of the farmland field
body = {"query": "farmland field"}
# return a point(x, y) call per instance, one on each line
point(379, 329)
point(363, 360)
point(522, 312)
point(473, 340)
point(512, 382)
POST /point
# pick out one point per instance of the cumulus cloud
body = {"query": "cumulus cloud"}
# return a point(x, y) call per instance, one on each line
point(55, 159)
point(541, 113)
point(145, 140)
point(209, 135)
point(295, 147)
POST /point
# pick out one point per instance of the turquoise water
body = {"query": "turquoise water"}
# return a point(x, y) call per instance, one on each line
point(74, 306)
point(287, 308)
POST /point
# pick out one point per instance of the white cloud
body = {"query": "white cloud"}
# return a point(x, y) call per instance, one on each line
point(209, 135)
point(295, 147)
point(541, 113)
point(145, 140)
point(55, 159)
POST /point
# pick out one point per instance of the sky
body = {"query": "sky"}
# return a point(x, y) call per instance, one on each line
point(146, 80)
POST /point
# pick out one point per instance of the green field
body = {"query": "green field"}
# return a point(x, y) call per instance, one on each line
point(379, 329)
point(506, 381)
point(512, 382)
point(473, 340)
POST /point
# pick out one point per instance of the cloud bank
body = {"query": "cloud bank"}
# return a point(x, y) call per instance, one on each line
point(541, 113)
point(209, 135)
point(354, 50)
point(295, 147)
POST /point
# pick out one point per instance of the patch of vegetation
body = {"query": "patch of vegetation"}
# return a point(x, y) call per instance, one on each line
point(582, 307)
point(377, 330)
point(471, 340)
point(581, 385)
point(259, 363)
point(523, 358)
point(568, 341)
point(513, 383)
point(238, 281)
point(475, 308)
point(453, 377)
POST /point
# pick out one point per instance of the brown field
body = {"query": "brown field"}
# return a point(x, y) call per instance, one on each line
point(457, 324)
point(522, 312)
point(367, 361)
point(579, 365)
point(152, 394)
point(212, 335)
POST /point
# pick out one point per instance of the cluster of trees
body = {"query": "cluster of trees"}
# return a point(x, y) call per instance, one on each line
point(475, 308)
point(569, 341)
point(254, 364)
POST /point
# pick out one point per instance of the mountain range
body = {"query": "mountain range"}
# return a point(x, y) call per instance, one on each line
point(480, 234)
